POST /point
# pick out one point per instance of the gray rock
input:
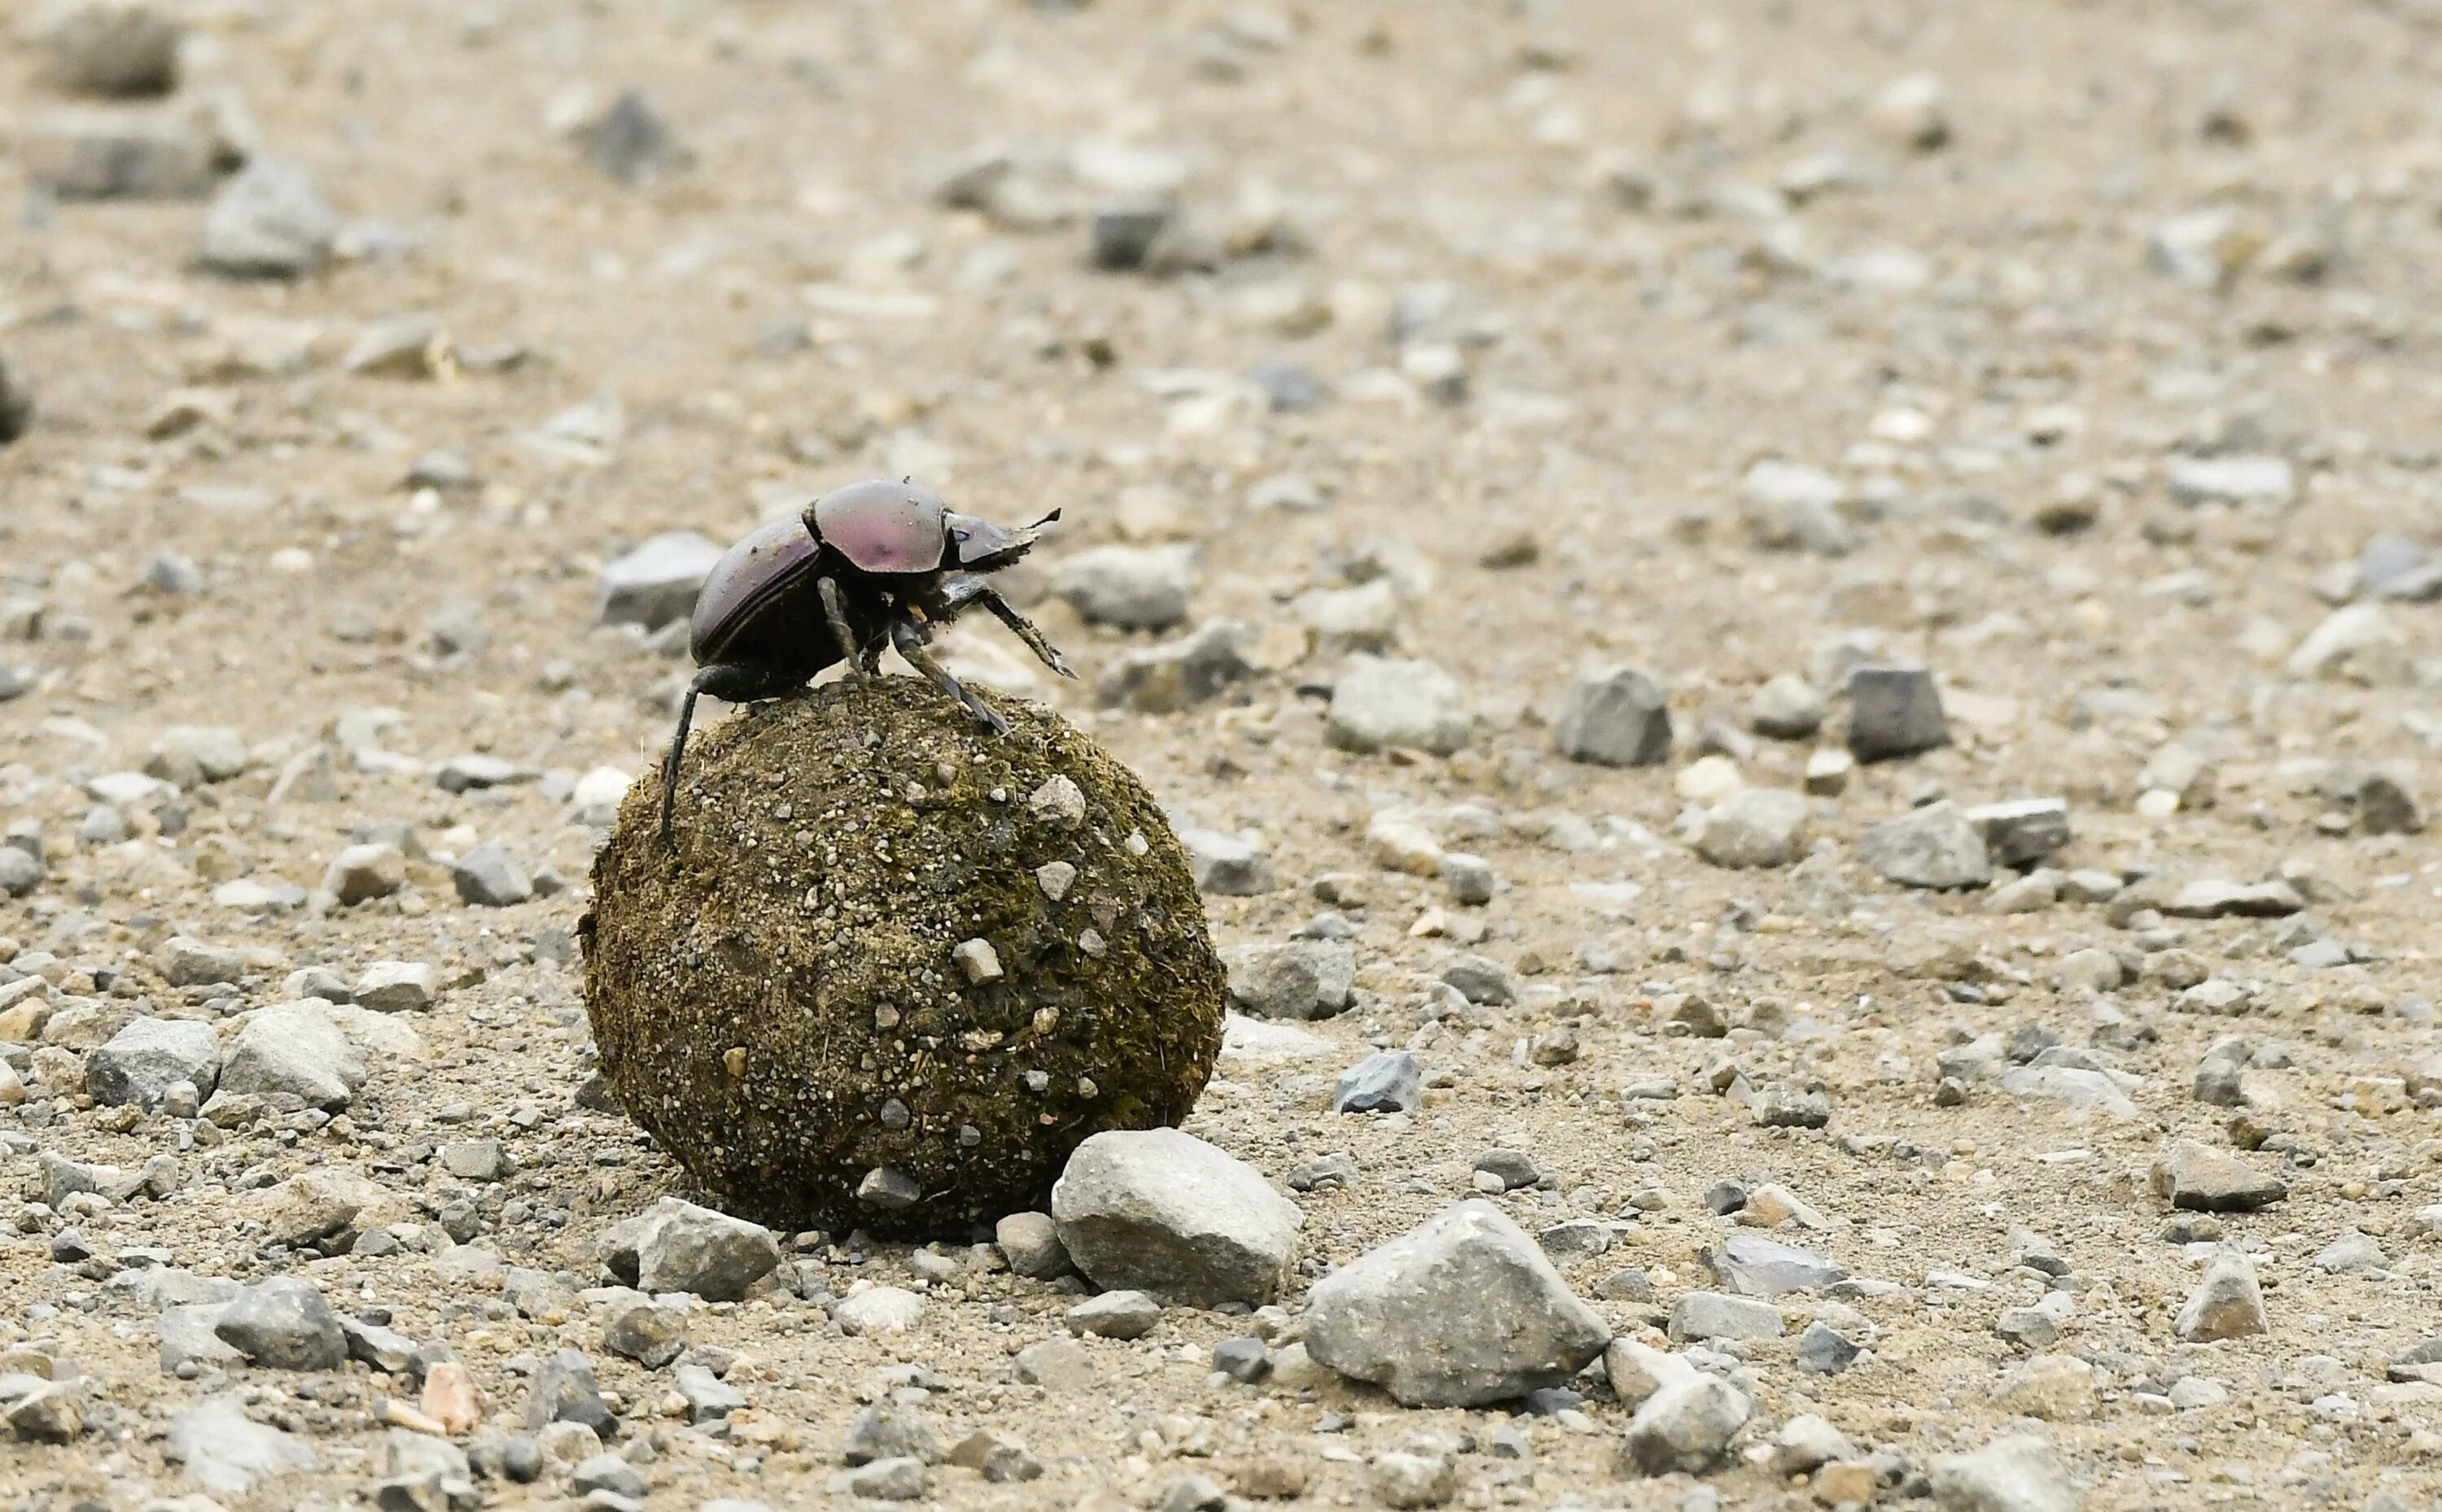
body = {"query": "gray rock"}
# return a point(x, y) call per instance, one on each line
point(396, 987)
point(1131, 587)
point(1932, 846)
point(564, 1391)
point(489, 877)
point(16, 414)
point(890, 1430)
point(271, 221)
point(899, 1480)
point(1381, 704)
point(117, 155)
point(190, 1339)
point(1470, 878)
point(1180, 674)
point(655, 582)
point(1823, 1350)
point(1576, 1240)
point(606, 1472)
point(2022, 831)
point(676, 1245)
point(1482, 979)
point(1163, 1211)
point(114, 46)
point(1030, 1242)
point(2352, 1254)
point(361, 873)
point(474, 1160)
point(1793, 506)
point(2200, 1179)
point(283, 1324)
point(1751, 1266)
point(1755, 826)
point(2242, 480)
point(1464, 1310)
point(1700, 1315)
point(1614, 717)
point(2223, 900)
point(708, 1397)
point(186, 962)
point(1292, 979)
point(384, 1349)
point(228, 1454)
point(1894, 710)
point(2218, 1077)
point(1685, 1426)
point(1115, 1315)
point(21, 871)
point(141, 1063)
point(1385, 1081)
point(2071, 1087)
point(297, 1048)
point(632, 143)
point(890, 1189)
point(646, 1332)
point(1786, 708)
point(1402, 1479)
point(2018, 1473)
point(1226, 865)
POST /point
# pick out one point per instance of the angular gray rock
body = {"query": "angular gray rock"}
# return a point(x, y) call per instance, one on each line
point(226, 1453)
point(1115, 1315)
point(271, 221)
point(1385, 1081)
point(2022, 831)
point(1894, 710)
point(1463, 1310)
point(1755, 826)
point(564, 1391)
point(283, 1324)
point(361, 873)
point(1700, 1315)
point(1180, 674)
point(2018, 1473)
point(489, 877)
point(1030, 1242)
point(297, 1048)
point(118, 48)
point(1786, 708)
point(1131, 587)
point(676, 1245)
point(2223, 900)
point(632, 143)
point(396, 987)
point(1162, 1211)
point(1752, 1266)
point(646, 1332)
point(1687, 1425)
point(656, 581)
point(186, 962)
point(1932, 846)
point(2202, 1179)
point(1292, 979)
point(141, 1063)
point(1614, 717)
point(1226, 865)
point(1381, 704)
point(1482, 979)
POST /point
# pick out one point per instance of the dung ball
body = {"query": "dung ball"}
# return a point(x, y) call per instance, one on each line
point(894, 968)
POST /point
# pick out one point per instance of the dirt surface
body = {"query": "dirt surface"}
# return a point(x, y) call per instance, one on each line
point(2093, 374)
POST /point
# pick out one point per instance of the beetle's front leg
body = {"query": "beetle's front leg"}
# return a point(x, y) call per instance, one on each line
point(854, 654)
point(910, 641)
point(971, 590)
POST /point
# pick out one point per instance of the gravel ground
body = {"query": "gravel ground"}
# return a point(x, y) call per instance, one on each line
point(1917, 409)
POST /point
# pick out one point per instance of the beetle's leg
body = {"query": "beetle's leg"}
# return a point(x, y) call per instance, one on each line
point(966, 589)
point(853, 652)
point(1019, 626)
point(910, 641)
point(731, 682)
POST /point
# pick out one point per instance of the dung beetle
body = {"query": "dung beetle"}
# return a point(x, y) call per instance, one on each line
point(874, 564)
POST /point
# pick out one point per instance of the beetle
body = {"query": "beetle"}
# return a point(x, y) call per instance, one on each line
point(875, 564)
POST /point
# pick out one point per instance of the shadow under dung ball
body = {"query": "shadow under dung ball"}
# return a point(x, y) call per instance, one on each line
point(897, 968)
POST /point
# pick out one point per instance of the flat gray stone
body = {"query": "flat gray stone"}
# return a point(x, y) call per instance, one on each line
point(1180, 674)
point(1291, 979)
point(271, 221)
point(1385, 1081)
point(676, 1245)
point(656, 581)
point(2023, 830)
point(1162, 1211)
point(2201, 1179)
point(228, 1454)
point(1685, 1426)
point(1755, 826)
point(1700, 1315)
point(2019, 1474)
point(1752, 1266)
point(141, 1063)
point(1381, 704)
point(1933, 847)
point(1464, 1310)
point(1132, 587)
point(1226, 865)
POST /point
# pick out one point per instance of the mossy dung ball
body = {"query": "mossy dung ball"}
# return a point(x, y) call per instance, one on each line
point(896, 968)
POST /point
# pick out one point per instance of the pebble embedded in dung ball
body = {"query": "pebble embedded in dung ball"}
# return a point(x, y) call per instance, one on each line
point(846, 999)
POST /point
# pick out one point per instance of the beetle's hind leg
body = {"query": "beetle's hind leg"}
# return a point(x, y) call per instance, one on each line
point(910, 641)
point(731, 682)
point(969, 590)
point(861, 658)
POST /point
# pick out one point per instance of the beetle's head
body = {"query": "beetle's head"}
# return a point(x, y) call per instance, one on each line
point(979, 546)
